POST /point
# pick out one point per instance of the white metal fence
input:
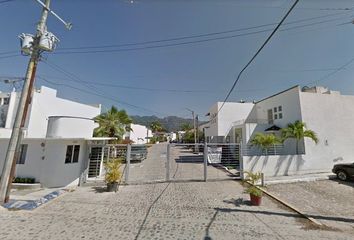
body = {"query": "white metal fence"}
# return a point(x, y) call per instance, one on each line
point(168, 162)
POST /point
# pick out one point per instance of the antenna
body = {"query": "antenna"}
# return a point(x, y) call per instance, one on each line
point(68, 25)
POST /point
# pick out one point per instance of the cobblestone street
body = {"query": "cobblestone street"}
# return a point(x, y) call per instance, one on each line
point(176, 210)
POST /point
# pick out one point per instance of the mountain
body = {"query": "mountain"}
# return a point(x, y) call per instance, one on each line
point(170, 123)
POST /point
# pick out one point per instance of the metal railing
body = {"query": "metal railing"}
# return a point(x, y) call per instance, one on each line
point(277, 149)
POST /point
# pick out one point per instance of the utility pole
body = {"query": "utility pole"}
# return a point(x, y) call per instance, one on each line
point(195, 132)
point(26, 95)
point(197, 127)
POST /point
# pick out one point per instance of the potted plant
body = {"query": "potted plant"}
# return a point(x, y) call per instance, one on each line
point(255, 193)
point(113, 174)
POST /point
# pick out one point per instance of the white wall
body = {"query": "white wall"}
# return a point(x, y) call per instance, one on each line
point(281, 165)
point(222, 124)
point(139, 134)
point(11, 111)
point(290, 103)
point(70, 127)
point(55, 173)
point(331, 116)
point(45, 161)
point(46, 104)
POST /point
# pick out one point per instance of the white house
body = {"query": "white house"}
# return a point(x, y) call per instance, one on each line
point(220, 123)
point(56, 139)
point(328, 113)
point(139, 134)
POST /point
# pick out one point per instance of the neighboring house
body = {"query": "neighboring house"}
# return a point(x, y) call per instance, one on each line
point(171, 137)
point(139, 135)
point(56, 140)
point(328, 113)
point(220, 123)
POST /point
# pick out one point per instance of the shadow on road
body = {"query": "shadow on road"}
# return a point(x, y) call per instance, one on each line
point(238, 202)
point(349, 183)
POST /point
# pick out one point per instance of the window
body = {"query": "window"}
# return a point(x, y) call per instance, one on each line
point(280, 115)
point(280, 108)
point(72, 153)
point(23, 153)
point(6, 101)
point(76, 153)
point(276, 116)
point(270, 116)
point(275, 109)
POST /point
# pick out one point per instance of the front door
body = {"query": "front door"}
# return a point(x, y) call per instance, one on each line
point(95, 162)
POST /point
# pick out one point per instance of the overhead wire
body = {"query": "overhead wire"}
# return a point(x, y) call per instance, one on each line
point(199, 35)
point(333, 72)
point(100, 47)
point(95, 92)
point(187, 42)
point(144, 88)
point(256, 54)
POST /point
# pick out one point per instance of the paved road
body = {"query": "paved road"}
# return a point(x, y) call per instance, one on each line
point(328, 201)
point(184, 165)
point(177, 210)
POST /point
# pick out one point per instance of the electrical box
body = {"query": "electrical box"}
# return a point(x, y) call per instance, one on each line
point(48, 42)
point(26, 43)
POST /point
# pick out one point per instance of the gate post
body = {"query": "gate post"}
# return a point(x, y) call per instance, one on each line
point(240, 155)
point(205, 162)
point(168, 162)
point(127, 166)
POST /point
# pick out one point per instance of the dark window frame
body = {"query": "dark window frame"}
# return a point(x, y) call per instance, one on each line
point(22, 154)
point(6, 101)
point(72, 154)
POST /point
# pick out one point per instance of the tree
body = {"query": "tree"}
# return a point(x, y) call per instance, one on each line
point(297, 131)
point(186, 127)
point(265, 141)
point(112, 123)
point(156, 126)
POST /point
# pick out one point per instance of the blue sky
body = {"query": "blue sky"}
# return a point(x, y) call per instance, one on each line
point(297, 54)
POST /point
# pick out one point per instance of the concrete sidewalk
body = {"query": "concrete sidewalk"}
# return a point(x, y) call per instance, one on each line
point(30, 199)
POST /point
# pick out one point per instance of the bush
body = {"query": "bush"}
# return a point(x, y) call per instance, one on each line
point(113, 173)
point(23, 180)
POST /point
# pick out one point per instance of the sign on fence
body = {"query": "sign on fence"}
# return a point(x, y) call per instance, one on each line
point(214, 154)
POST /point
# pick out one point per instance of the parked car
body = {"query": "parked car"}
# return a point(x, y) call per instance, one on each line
point(138, 153)
point(344, 171)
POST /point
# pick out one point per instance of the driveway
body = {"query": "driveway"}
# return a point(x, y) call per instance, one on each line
point(330, 201)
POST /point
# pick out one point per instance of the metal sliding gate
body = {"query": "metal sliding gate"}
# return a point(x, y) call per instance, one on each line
point(169, 162)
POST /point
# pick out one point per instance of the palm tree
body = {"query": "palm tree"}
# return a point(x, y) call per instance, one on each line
point(265, 141)
point(156, 126)
point(112, 123)
point(297, 131)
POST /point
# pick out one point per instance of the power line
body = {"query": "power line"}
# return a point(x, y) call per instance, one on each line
point(143, 88)
point(189, 42)
point(198, 35)
point(63, 50)
point(10, 56)
point(6, 1)
point(333, 72)
point(256, 54)
point(8, 52)
point(95, 92)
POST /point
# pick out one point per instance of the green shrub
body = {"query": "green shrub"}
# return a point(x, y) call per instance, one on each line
point(24, 180)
